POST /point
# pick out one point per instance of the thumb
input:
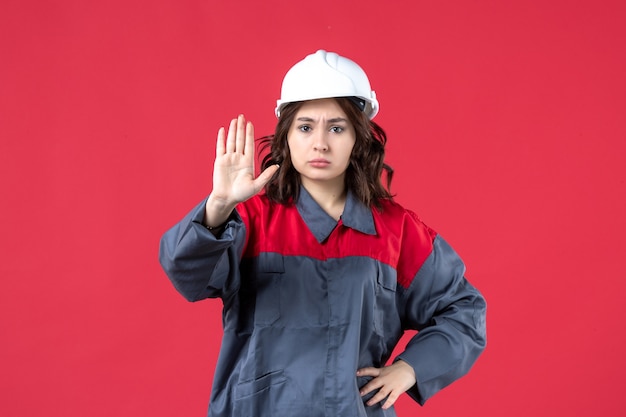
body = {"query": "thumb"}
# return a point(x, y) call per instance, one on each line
point(265, 176)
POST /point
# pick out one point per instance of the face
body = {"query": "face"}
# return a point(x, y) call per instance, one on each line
point(320, 142)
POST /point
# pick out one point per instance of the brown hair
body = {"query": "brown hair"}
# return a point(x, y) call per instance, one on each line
point(364, 172)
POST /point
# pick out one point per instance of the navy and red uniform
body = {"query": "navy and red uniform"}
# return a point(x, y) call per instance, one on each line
point(309, 300)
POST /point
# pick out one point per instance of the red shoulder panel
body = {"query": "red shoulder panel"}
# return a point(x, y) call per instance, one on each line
point(402, 240)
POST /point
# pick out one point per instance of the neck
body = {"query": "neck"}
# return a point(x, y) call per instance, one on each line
point(330, 196)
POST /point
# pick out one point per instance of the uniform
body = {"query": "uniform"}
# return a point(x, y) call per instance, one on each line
point(309, 300)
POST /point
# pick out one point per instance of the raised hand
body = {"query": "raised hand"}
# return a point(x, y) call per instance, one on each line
point(233, 171)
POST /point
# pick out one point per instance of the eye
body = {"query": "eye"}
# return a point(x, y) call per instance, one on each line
point(304, 128)
point(336, 129)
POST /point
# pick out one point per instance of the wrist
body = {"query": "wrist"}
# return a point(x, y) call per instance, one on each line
point(220, 204)
point(216, 213)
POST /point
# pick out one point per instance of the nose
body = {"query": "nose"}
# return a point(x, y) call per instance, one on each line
point(320, 142)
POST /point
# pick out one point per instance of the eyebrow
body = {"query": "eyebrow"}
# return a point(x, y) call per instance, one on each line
point(329, 121)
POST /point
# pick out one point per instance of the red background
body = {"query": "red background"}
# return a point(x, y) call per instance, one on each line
point(507, 133)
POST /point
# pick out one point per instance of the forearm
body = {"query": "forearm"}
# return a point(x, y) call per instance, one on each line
point(450, 316)
point(198, 263)
point(440, 355)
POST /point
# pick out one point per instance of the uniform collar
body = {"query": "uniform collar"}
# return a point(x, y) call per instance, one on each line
point(355, 215)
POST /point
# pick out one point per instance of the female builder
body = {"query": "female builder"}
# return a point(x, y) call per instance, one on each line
point(321, 272)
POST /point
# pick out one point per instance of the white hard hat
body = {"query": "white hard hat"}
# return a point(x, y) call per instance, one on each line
point(325, 75)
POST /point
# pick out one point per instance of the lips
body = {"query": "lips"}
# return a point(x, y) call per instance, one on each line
point(319, 162)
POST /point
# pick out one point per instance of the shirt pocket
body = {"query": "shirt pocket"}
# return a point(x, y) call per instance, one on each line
point(387, 281)
point(269, 275)
point(260, 396)
point(385, 302)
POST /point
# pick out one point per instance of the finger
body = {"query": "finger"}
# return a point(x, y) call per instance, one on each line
point(369, 371)
point(380, 395)
point(391, 400)
point(249, 145)
point(219, 146)
point(241, 134)
point(230, 138)
point(374, 384)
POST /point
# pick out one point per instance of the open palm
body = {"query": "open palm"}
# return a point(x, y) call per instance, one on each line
point(233, 170)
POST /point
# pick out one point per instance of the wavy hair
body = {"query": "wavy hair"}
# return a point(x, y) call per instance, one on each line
point(364, 173)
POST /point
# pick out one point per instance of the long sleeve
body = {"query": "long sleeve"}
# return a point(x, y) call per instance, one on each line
point(199, 264)
point(449, 314)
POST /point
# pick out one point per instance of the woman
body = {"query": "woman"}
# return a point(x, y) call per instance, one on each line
point(322, 272)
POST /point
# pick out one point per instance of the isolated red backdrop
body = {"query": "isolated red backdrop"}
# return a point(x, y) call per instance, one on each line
point(507, 133)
